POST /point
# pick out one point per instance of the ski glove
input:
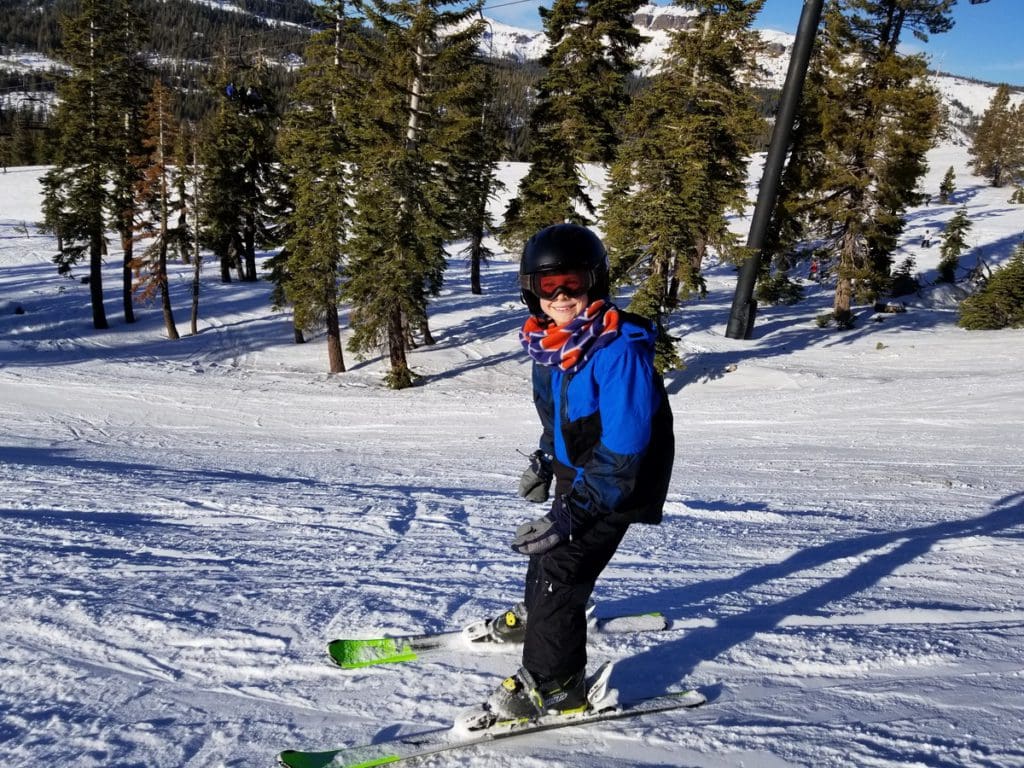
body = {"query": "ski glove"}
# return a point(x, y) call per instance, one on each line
point(535, 484)
point(558, 525)
point(537, 536)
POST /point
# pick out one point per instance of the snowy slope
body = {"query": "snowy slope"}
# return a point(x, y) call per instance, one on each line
point(183, 525)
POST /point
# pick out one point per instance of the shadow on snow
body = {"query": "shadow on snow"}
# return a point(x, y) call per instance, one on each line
point(675, 660)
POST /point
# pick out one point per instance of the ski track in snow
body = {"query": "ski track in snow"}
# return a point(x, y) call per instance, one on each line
point(186, 524)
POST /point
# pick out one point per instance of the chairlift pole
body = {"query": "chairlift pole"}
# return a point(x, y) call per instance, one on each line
point(744, 307)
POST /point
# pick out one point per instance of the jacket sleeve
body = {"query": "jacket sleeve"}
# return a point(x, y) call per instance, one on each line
point(628, 399)
point(542, 400)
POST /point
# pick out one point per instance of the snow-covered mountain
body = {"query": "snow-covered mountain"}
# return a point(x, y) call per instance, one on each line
point(963, 96)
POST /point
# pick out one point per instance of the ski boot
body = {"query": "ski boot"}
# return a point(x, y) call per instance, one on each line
point(508, 627)
point(521, 698)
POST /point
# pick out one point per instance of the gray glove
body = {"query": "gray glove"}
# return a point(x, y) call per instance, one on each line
point(537, 536)
point(535, 484)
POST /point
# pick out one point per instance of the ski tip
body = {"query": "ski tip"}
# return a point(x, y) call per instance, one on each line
point(639, 622)
point(691, 698)
point(293, 759)
point(355, 654)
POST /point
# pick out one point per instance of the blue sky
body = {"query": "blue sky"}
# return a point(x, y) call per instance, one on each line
point(984, 43)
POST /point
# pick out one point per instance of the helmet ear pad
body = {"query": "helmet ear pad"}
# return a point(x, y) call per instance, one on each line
point(565, 248)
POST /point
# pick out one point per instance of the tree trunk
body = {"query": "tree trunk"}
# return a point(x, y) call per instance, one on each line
point(428, 337)
point(249, 235)
point(197, 262)
point(99, 315)
point(334, 357)
point(400, 376)
point(127, 245)
point(475, 257)
point(165, 292)
point(672, 289)
point(476, 252)
point(236, 251)
point(843, 299)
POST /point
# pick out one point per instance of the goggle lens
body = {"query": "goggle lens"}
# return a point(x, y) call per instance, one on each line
point(572, 284)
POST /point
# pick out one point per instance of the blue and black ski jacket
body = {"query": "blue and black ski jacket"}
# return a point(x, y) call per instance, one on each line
point(609, 427)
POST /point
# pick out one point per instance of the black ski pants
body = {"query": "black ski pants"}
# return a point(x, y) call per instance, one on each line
point(559, 583)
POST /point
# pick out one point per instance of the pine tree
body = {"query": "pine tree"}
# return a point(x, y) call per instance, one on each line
point(1000, 302)
point(128, 71)
point(683, 166)
point(419, 57)
point(100, 45)
point(789, 223)
point(476, 144)
point(994, 140)
point(878, 119)
point(904, 278)
point(183, 236)
point(189, 176)
point(238, 161)
point(219, 158)
point(154, 192)
point(948, 186)
point(580, 100)
point(1015, 159)
point(317, 147)
point(954, 243)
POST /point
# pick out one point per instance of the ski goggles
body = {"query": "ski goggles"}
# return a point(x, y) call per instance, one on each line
point(547, 285)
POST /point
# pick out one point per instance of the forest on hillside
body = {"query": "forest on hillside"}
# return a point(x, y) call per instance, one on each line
point(188, 44)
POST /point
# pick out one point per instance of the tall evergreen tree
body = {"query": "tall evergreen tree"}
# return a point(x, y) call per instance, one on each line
point(419, 57)
point(184, 236)
point(580, 100)
point(126, 172)
point(994, 148)
point(683, 166)
point(317, 145)
point(476, 139)
point(101, 45)
point(878, 119)
point(948, 186)
point(238, 160)
point(189, 176)
point(154, 192)
point(788, 226)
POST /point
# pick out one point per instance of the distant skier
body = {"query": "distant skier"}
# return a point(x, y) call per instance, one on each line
point(608, 442)
point(926, 239)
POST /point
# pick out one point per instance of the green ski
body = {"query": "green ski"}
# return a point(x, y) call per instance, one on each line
point(353, 653)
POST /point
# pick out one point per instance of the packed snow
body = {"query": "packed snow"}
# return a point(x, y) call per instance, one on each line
point(186, 524)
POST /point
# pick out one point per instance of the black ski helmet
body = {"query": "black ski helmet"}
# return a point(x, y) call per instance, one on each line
point(563, 248)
